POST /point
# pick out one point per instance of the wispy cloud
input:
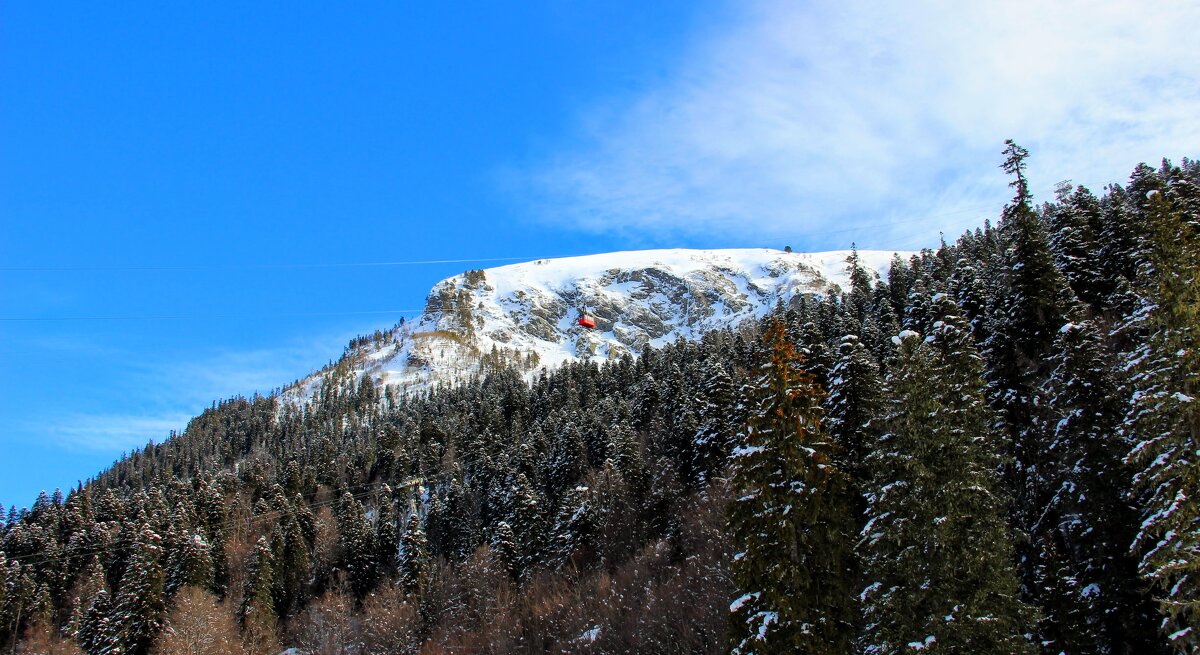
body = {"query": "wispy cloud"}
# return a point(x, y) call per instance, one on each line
point(809, 121)
point(167, 392)
point(111, 432)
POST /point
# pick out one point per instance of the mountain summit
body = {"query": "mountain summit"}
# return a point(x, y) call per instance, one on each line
point(528, 314)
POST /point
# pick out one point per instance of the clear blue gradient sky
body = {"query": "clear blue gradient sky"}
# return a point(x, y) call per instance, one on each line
point(207, 165)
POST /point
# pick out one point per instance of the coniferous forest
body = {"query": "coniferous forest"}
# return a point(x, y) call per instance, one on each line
point(996, 449)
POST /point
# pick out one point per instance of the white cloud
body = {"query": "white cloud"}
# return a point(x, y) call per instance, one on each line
point(803, 121)
point(167, 393)
point(112, 432)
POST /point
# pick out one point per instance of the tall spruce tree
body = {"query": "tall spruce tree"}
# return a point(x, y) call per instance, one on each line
point(937, 551)
point(140, 603)
point(854, 398)
point(1164, 417)
point(1030, 300)
point(257, 611)
point(190, 564)
point(791, 522)
point(1074, 221)
point(506, 555)
point(99, 632)
point(357, 539)
point(414, 556)
point(718, 421)
point(1092, 598)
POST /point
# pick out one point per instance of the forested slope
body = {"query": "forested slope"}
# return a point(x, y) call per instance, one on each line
point(993, 450)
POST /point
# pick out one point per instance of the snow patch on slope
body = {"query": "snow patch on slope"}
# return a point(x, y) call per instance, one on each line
point(527, 314)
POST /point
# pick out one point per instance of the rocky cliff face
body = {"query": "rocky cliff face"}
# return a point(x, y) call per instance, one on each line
point(527, 314)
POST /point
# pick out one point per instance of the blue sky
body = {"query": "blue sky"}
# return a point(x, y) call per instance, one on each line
point(210, 179)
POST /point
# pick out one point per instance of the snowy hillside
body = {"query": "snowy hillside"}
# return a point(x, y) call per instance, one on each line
point(527, 314)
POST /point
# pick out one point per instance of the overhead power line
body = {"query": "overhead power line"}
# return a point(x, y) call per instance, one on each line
point(428, 262)
point(201, 317)
point(295, 266)
point(259, 267)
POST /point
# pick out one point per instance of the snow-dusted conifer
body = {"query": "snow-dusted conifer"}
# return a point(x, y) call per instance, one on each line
point(257, 611)
point(568, 458)
point(1074, 221)
point(1091, 597)
point(357, 539)
point(937, 552)
point(387, 534)
point(528, 521)
point(1164, 417)
point(99, 632)
point(718, 420)
point(854, 397)
point(791, 522)
point(140, 604)
point(190, 564)
point(506, 555)
point(414, 555)
point(1029, 301)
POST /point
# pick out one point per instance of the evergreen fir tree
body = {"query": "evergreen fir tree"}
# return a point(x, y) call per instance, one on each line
point(568, 459)
point(292, 545)
point(257, 611)
point(1122, 244)
point(854, 399)
point(91, 581)
point(572, 538)
point(191, 564)
point(99, 632)
point(1073, 223)
point(387, 534)
point(1030, 301)
point(791, 523)
point(506, 553)
point(414, 556)
point(859, 299)
point(1092, 599)
point(140, 603)
point(358, 545)
point(718, 422)
point(527, 518)
point(1164, 417)
point(937, 552)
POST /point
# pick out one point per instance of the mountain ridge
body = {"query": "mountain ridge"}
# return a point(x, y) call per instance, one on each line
point(525, 314)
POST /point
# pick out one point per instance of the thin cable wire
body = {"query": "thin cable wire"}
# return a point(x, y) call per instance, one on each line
point(260, 267)
point(201, 317)
point(419, 262)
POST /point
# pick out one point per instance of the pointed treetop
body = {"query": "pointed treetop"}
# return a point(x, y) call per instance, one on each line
point(1014, 164)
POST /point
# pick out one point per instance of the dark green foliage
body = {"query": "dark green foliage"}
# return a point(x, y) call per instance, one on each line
point(937, 552)
point(1164, 413)
point(190, 564)
point(99, 631)
point(1029, 301)
point(140, 604)
point(1074, 224)
point(359, 550)
point(414, 556)
point(855, 393)
point(719, 424)
point(257, 604)
point(506, 553)
point(791, 522)
point(387, 534)
point(1092, 600)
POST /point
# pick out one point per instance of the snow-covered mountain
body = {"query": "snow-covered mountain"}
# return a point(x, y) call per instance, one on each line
point(527, 314)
